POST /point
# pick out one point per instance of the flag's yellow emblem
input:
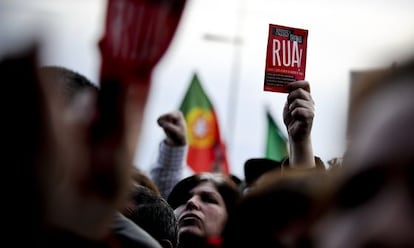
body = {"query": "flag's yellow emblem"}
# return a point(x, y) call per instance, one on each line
point(201, 128)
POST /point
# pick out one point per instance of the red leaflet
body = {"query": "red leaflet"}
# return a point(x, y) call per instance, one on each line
point(285, 58)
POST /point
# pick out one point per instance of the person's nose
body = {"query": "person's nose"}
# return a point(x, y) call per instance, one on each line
point(193, 203)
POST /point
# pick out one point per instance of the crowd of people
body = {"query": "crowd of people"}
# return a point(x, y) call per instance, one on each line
point(71, 181)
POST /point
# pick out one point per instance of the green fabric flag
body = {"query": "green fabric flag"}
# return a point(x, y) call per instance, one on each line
point(195, 97)
point(276, 144)
point(206, 151)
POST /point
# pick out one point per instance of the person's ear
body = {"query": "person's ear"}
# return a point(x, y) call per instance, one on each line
point(165, 243)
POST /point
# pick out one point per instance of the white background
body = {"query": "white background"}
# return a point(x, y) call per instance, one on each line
point(343, 36)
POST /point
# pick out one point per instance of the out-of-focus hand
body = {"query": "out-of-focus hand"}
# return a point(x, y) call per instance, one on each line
point(299, 111)
point(137, 34)
point(175, 128)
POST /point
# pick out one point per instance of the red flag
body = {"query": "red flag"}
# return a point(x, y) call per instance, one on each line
point(206, 149)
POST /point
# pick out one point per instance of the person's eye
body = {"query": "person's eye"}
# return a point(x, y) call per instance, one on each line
point(360, 189)
point(209, 198)
point(181, 200)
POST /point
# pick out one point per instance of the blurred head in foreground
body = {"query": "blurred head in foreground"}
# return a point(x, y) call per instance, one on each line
point(373, 205)
point(278, 211)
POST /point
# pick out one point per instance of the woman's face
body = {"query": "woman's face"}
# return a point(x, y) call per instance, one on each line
point(203, 213)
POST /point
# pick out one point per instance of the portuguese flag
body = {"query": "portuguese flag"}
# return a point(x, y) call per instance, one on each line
point(206, 150)
point(276, 144)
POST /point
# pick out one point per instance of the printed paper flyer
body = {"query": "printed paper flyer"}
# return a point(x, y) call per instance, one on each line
point(285, 57)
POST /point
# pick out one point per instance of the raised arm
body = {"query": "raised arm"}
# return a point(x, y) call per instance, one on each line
point(298, 115)
point(168, 169)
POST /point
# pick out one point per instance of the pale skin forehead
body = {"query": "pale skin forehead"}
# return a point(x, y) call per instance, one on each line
point(385, 126)
point(207, 187)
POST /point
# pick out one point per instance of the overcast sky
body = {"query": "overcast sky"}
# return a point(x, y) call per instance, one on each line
point(343, 36)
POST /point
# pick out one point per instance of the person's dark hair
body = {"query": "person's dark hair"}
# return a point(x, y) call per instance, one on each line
point(256, 167)
point(69, 82)
point(140, 178)
point(152, 212)
point(279, 202)
point(224, 185)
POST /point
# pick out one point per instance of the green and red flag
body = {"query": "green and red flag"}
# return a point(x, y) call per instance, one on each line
point(206, 150)
point(276, 143)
